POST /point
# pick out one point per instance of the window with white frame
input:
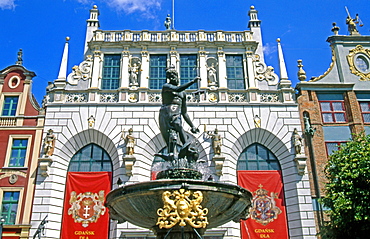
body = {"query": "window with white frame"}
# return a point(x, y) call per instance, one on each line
point(188, 69)
point(157, 71)
point(365, 111)
point(10, 205)
point(235, 72)
point(364, 102)
point(10, 106)
point(18, 151)
point(332, 107)
point(111, 72)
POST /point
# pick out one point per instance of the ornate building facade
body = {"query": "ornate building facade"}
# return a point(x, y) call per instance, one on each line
point(335, 105)
point(104, 117)
point(21, 127)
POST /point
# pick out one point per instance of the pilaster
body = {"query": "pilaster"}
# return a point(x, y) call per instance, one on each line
point(96, 70)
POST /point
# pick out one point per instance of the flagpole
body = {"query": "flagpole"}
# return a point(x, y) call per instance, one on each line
point(173, 14)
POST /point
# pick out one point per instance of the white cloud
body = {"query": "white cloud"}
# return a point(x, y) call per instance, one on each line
point(269, 49)
point(130, 6)
point(7, 4)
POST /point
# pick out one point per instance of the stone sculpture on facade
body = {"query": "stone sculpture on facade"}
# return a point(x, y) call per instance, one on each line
point(130, 142)
point(49, 143)
point(129, 158)
point(91, 121)
point(257, 121)
point(216, 141)
point(297, 142)
point(134, 70)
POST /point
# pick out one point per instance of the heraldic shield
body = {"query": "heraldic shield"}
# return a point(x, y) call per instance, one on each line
point(264, 209)
point(86, 207)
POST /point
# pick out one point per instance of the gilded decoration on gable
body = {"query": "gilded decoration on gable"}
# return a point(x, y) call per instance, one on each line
point(333, 57)
point(264, 72)
point(80, 72)
point(182, 207)
point(264, 209)
point(359, 62)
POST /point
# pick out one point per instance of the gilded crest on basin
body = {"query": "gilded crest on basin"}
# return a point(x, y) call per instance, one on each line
point(182, 207)
point(359, 62)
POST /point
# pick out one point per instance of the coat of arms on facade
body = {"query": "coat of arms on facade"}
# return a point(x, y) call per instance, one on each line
point(264, 209)
point(86, 207)
point(183, 207)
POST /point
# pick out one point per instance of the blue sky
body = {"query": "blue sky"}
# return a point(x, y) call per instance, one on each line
point(39, 27)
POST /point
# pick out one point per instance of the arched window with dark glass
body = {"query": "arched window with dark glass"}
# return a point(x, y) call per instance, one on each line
point(91, 158)
point(257, 157)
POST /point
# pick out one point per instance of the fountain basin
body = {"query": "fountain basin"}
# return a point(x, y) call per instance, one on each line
point(138, 203)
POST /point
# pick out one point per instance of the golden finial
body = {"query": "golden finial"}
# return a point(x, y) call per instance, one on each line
point(68, 38)
point(95, 6)
point(335, 28)
point(301, 73)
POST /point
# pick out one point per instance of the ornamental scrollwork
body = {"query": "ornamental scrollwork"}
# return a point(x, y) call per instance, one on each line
point(76, 97)
point(109, 97)
point(269, 97)
point(155, 97)
point(80, 72)
point(182, 207)
point(353, 61)
point(264, 72)
point(237, 97)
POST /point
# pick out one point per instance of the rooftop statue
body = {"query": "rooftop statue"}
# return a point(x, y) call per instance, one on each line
point(352, 23)
point(167, 23)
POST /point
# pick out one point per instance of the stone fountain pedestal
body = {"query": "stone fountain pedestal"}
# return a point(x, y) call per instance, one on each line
point(139, 204)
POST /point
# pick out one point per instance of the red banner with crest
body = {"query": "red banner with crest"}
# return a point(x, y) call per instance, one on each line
point(84, 213)
point(267, 216)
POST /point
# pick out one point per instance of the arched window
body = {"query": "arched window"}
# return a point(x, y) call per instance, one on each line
point(91, 158)
point(257, 157)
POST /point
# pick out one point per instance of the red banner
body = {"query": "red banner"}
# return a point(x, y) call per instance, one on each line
point(267, 214)
point(84, 215)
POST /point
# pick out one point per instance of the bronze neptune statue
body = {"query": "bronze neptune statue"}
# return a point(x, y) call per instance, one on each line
point(172, 111)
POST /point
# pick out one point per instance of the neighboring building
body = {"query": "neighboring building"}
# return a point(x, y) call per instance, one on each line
point(117, 87)
point(335, 104)
point(21, 126)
